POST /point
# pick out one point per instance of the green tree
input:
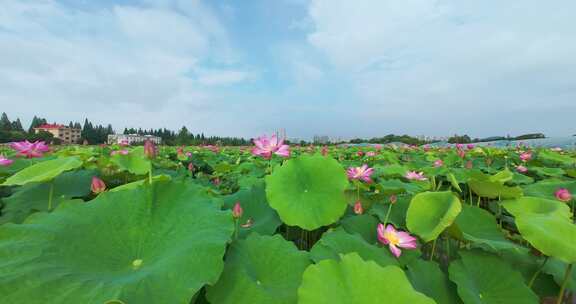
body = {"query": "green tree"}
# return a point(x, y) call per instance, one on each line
point(5, 124)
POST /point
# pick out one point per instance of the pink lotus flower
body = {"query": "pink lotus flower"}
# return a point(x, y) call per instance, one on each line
point(150, 149)
point(30, 150)
point(4, 162)
point(121, 152)
point(370, 154)
point(265, 147)
point(470, 146)
point(324, 151)
point(237, 211)
point(360, 153)
point(395, 239)
point(438, 163)
point(526, 156)
point(123, 142)
point(459, 146)
point(190, 167)
point(413, 175)
point(358, 209)
point(563, 195)
point(521, 169)
point(461, 153)
point(378, 146)
point(98, 185)
point(360, 173)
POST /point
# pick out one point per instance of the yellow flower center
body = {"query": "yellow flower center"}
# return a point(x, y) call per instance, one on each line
point(392, 238)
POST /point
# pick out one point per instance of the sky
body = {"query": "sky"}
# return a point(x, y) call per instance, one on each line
point(313, 67)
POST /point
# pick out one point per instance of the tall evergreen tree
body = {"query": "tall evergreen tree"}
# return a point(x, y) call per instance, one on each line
point(17, 125)
point(5, 124)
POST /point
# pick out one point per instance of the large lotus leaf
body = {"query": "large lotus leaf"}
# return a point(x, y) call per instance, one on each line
point(136, 246)
point(479, 226)
point(552, 235)
point(308, 191)
point(545, 171)
point(395, 186)
point(521, 179)
point(391, 170)
point(337, 242)
point(260, 270)
point(492, 189)
point(364, 225)
point(548, 188)
point(139, 183)
point(553, 157)
point(502, 176)
point(486, 279)
point(43, 171)
point(33, 197)
point(17, 165)
point(353, 280)
point(263, 219)
point(427, 278)
point(397, 213)
point(536, 205)
point(134, 162)
point(523, 261)
point(432, 212)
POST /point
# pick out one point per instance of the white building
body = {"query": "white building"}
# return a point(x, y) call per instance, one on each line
point(132, 139)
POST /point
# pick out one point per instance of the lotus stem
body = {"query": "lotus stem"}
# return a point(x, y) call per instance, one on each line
point(535, 276)
point(433, 249)
point(50, 195)
point(564, 283)
point(236, 228)
point(388, 214)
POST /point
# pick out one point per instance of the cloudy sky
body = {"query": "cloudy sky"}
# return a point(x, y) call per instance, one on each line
point(332, 67)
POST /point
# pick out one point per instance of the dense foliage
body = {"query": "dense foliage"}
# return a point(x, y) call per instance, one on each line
point(113, 224)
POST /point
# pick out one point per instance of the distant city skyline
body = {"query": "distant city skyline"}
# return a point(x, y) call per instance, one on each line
point(334, 68)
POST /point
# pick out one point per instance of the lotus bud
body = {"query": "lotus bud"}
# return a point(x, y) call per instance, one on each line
point(97, 186)
point(149, 149)
point(358, 208)
point(237, 211)
point(563, 195)
point(190, 167)
point(393, 199)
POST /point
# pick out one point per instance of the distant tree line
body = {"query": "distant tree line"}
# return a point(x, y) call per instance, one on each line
point(390, 138)
point(465, 139)
point(185, 137)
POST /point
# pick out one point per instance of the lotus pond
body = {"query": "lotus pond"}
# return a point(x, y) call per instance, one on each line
point(277, 224)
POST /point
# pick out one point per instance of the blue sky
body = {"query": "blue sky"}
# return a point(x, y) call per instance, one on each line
point(328, 67)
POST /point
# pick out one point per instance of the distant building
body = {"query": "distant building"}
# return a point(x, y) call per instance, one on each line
point(322, 140)
point(66, 134)
point(132, 139)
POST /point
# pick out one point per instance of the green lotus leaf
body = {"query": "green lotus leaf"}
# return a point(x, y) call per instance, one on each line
point(492, 189)
point(430, 213)
point(552, 235)
point(527, 264)
point(43, 171)
point(363, 225)
point(136, 246)
point(536, 205)
point(553, 157)
point(427, 278)
point(479, 226)
point(260, 270)
point(308, 191)
point(335, 243)
point(397, 213)
point(546, 171)
point(557, 269)
point(548, 188)
point(139, 183)
point(257, 213)
point(134, 162)
point(33, 197)
point(486, 279)
point(353, 280)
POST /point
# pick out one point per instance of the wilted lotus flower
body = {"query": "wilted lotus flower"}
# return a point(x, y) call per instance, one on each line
point(358, 209)
point(393, 199)
point(360, 173)
point(98, 185)
point(438, 163)
point(563, 195)
point(395, 239)
point(237, 211)
point(30, 150)
point(4, 162)
point(526, 156)
point(521, 169)
point(265, 147)
point(121, 152)
point(150, 149)
point(413, 175)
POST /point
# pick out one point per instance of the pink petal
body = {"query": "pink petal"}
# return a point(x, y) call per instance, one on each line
point(395, 250)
